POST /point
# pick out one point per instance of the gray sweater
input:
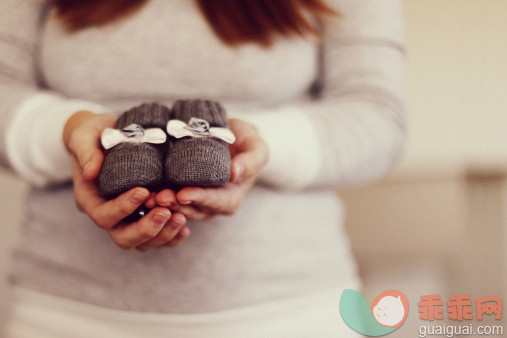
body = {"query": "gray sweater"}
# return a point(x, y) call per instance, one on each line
point(286, 240)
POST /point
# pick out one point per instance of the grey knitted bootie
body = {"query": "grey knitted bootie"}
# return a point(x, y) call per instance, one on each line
point(136, 155)
point(198, 152)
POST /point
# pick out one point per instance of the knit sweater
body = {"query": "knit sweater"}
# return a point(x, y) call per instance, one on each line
point(286, 239)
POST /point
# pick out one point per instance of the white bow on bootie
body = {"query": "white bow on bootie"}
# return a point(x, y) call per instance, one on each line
point(133, 133)
point(198, 128)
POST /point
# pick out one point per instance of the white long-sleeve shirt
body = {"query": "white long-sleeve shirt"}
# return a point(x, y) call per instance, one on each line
point(285, 240)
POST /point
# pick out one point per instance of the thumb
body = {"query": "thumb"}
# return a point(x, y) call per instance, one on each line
point(250, 153)
point(81, 136)
point(88, 154)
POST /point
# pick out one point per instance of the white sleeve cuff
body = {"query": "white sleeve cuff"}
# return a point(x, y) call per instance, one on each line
point(34, 141)
point(295, 157)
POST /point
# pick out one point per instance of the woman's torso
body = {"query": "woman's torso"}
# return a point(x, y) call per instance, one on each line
point(278, 245)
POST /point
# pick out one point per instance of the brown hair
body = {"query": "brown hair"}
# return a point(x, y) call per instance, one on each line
point(233, 21)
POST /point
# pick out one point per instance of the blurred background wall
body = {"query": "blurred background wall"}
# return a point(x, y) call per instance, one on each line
point(437, 224)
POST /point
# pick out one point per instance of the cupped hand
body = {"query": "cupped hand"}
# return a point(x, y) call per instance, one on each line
point(158, 228)
point(249, 155)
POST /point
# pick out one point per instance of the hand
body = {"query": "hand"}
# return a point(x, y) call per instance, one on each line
point(249, 154)
point(158, 228)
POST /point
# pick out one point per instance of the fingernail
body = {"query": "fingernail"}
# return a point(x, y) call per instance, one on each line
point(86, 166)
point(176, 225)
point(164, 202)
point(177, 222)
point(160, 218)
point(185, 232)
point(186, 202)
point(239, 171)
point(138, 197)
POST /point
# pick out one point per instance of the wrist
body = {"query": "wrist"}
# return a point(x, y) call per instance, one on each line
point(294, 147)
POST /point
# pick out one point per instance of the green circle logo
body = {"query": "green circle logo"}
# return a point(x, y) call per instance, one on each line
point(386, 314)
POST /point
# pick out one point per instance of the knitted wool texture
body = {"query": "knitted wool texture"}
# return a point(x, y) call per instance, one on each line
point(129, 165)
point(204, 162)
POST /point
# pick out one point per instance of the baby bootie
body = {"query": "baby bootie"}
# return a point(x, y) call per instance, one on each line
point(134, 150)
point(198, 152)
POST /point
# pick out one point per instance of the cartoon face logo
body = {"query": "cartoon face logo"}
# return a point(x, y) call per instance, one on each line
point(386, 314)
point(390, 308)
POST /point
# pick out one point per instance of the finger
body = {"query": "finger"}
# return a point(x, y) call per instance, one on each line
point(180, 237)
point(134, 234)
point(166, 198)
point(110, 213)
point(105, 214)
point(223, 200)
point(168, 233)
point(192, 212)
point(151, 201)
